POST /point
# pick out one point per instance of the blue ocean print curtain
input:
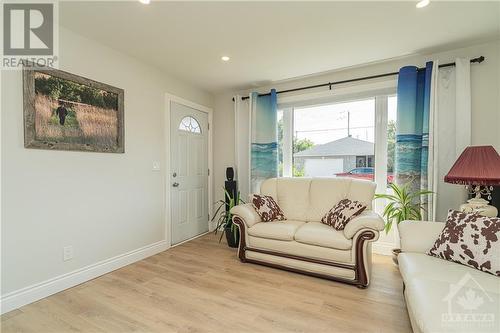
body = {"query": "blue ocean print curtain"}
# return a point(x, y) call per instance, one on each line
point(264, 139)
point(412, 128)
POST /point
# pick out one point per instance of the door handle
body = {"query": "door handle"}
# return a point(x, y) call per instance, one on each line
point(175, 184)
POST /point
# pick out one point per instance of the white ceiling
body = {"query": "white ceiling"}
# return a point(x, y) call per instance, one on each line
point(271, 41)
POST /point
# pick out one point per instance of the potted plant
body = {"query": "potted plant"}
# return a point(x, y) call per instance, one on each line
point(402, 205)
point(225, 219)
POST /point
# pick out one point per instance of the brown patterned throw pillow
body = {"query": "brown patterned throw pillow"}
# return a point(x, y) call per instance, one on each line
point(470, 239)
point(342, 213)
point(267, 208)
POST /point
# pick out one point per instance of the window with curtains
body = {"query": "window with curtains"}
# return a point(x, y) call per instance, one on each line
point(347, 138)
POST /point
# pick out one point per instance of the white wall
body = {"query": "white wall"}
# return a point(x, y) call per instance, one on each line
point(103, 205)
point(223, 141)
point(485, 86)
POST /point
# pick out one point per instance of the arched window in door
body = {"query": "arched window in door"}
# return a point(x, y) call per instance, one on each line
point(189, 124)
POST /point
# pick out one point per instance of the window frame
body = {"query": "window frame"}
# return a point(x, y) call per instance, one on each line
point(379, 91)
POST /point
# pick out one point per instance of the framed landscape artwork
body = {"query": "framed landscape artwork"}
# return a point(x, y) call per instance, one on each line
point(63, 111)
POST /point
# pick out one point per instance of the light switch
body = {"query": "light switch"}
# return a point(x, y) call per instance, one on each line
point(67, 253)
point(156, 166)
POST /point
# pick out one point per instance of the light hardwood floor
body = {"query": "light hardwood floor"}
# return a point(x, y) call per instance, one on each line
point(200, 286)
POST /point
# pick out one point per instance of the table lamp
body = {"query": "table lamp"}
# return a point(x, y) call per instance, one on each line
point(478, 168)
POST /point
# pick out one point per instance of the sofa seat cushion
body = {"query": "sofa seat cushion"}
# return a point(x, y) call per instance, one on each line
point(435, 287)
point(280, 230)
point(414, 265)
point(435, 307)
point(319, 234)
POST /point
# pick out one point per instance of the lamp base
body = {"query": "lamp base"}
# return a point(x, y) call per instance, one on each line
point(479, 206)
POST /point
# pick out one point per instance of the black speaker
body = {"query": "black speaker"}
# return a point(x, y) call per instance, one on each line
point(230, 174)
point(230, 186)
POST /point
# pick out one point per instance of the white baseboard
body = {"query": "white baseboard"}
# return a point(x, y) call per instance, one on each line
point(30, 294)
point(383, 248)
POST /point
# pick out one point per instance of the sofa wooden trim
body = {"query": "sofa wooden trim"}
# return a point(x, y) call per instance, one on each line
point(360, 271)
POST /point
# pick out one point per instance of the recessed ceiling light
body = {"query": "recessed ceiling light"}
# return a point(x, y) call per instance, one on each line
point(225, 58)
point(145, 2)
point(423, 3)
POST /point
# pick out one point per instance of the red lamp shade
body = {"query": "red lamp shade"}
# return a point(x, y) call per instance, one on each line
point(477, 165)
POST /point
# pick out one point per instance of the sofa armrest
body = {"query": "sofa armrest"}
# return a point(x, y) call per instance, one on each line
point(418, 236)
point(247, 213)
point(366, 220)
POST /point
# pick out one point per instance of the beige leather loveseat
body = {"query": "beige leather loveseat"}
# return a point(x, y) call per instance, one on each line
point(302, 243)
point(443, 296)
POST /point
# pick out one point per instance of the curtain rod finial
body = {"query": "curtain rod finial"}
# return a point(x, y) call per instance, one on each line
point(478, 59)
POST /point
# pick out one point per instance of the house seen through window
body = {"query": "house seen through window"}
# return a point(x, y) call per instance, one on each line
point(337, 139)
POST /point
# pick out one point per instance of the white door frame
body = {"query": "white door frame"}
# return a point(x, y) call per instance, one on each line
point(168, 168)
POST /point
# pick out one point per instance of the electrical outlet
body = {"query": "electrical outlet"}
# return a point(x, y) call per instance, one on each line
point(67, 253)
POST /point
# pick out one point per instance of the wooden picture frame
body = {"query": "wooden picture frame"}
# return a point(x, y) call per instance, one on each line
point(96, 126)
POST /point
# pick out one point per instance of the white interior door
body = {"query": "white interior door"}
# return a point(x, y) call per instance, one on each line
point(189, 172)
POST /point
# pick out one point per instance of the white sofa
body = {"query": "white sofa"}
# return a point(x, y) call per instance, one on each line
point(436, 290)
point(302, 243)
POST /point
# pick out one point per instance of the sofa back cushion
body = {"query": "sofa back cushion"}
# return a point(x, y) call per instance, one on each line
point(324, 194)
point(268, 187)
point(291, 194)
point(293, 197)
point(309, 199)
point(362, 191)
point(327, 192)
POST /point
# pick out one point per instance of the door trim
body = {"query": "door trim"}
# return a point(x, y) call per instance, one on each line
point(168, 169)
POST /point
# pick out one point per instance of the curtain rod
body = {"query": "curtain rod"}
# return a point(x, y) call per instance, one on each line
point(330, 84)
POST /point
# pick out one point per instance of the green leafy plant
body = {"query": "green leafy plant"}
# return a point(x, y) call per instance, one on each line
point(298, 172)
point(224, 217)
point(403, 204)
